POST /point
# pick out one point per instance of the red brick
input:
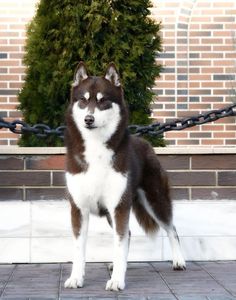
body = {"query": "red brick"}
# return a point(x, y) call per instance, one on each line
point(212, 162)
point(212, 127)
point(230, 142)
point(192, 178)
point(222, 33)
point(211, 84)
point(16, 85)
point(212, 55)
point(223, 4)
point(224, 19)
point(58, 179)
point(3, 85)
point(212, 142)
point(9, 63)
point(45, 194)
point(17, 41)
point(194, 84)
point(176, 135)
point(9, 34)
point(9, 49)
point(223, 48)
point(230, 127)
point(9, 77)
point(215, 193)
point(212, 70)
point(18, 26)
point(179, 194)
point(25, 178)
point(201, 19)
point(200, 135)
point(174, 162)
point(224, 135)
point(212, 41)
point(181, 142)
point(220, 92)
point(11, 162)
point(3, 41)
point(41, 162)
point(7, 194)
point(211, 99)
point(200, 77)
point(17, 70)
point(227, 178)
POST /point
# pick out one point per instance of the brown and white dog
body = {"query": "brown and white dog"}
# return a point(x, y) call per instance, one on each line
point(109, 172)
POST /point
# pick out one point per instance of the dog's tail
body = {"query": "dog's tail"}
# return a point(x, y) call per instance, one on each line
point(144, 219)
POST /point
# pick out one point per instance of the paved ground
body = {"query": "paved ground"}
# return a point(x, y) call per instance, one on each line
point(202, 280)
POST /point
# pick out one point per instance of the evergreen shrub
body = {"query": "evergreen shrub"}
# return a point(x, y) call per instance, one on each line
point(64, 32)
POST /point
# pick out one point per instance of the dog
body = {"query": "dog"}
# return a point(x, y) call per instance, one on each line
point(109, 172)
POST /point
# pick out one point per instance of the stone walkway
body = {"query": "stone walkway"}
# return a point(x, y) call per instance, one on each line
point(202, 280)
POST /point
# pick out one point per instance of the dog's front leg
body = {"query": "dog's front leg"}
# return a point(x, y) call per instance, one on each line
point(120, 219)
point(80, 220)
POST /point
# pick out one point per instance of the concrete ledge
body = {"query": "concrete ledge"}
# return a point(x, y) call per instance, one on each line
point(32, 150)
point(161, 150)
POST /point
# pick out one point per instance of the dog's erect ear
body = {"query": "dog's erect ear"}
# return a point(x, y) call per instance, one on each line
point(112, 74)
point(80, 74)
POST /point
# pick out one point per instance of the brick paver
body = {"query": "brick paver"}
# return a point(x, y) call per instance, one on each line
point(153, 281)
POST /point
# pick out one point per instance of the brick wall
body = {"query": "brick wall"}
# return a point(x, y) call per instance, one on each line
point(192, 176)
point(199, 59)
point(199, 65)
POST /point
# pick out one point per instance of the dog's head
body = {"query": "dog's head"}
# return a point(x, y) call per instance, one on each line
point(97, 103)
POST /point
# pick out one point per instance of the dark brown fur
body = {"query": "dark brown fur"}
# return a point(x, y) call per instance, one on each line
point(147, 188)
point(76, 217)
point(130, 153)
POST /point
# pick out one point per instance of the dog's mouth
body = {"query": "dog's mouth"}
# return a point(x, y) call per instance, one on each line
point(90, 127)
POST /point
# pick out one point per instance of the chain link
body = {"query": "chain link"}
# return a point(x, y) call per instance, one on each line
point(155, 129)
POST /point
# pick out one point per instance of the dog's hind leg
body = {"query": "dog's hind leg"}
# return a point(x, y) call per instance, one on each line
point(154, 197)
point(178, 260)
point(151, 220)
point(79, 221)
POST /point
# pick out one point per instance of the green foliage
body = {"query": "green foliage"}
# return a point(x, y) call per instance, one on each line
point(64, 32)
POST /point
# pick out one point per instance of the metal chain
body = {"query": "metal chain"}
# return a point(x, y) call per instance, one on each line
point(155, 129)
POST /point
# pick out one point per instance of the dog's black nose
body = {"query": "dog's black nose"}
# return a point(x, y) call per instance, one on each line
point(89, 120)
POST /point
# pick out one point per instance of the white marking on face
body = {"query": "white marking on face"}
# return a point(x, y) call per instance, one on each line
point(99, 96)
point(106, 122)
point(86, 95)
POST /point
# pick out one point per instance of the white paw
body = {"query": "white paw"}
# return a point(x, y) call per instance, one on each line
point(179, 265)
point(115, 285)
point(74, 283)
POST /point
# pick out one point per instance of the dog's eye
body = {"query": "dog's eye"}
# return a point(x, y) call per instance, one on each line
point(103, 99)
point(82, 99)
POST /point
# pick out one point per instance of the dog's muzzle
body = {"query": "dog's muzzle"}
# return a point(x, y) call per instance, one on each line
point(89, 121)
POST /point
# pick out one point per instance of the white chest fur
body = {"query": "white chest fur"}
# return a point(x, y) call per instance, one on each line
point(101, 184)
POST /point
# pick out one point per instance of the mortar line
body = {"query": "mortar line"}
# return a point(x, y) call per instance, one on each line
point(165, 281)
point(217, 281)
point(8, 280)
point(60, 281)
